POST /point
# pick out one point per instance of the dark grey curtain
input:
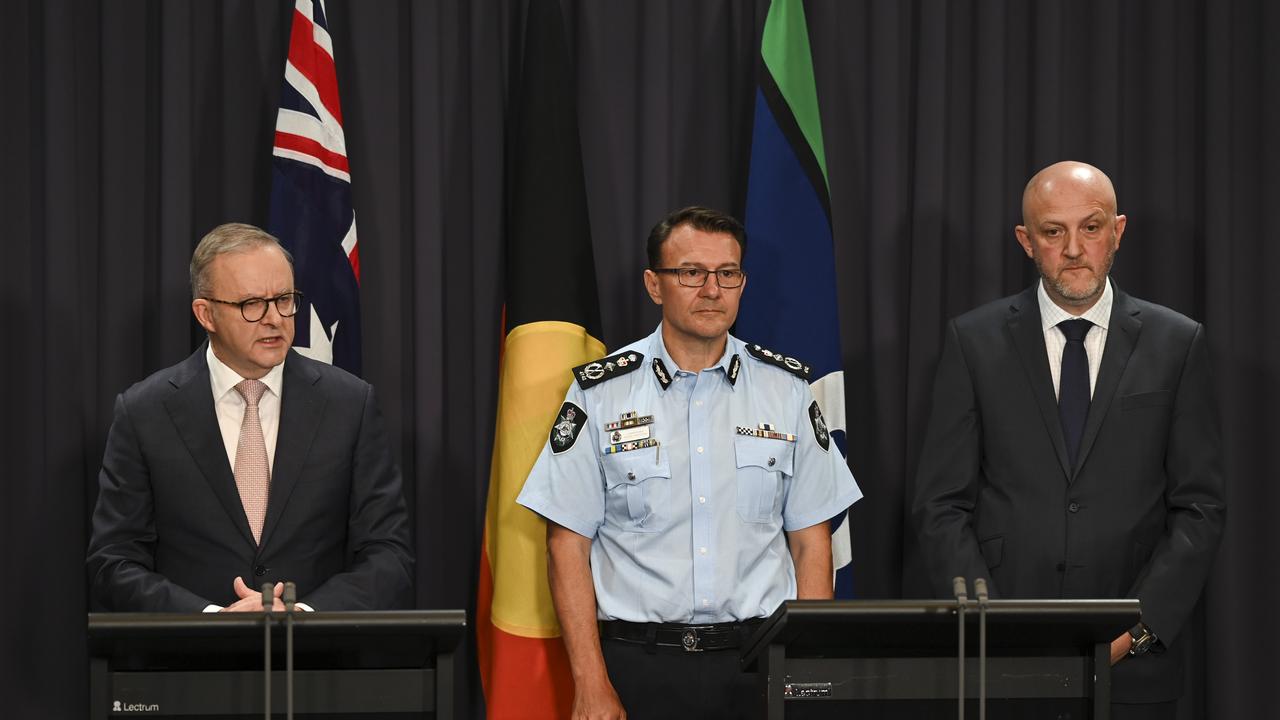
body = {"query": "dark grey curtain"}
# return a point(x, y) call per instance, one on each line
point(130, 129)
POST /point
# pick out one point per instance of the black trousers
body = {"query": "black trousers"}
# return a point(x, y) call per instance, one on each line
point(672, 683)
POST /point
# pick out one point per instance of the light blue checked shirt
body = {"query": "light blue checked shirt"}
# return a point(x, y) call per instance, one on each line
point(691, 530)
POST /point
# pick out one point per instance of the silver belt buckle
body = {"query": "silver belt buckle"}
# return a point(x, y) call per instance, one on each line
point(690, 641)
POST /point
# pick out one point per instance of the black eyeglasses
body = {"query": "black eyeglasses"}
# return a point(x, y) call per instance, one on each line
point(254, 309)
point(727, 278)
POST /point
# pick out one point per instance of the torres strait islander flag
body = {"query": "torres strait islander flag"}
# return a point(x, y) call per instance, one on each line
point(791, 307)
point(311, 210)
point(552, 323)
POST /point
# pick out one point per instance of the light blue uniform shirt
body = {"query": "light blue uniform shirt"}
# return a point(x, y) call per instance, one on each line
point(690, 530)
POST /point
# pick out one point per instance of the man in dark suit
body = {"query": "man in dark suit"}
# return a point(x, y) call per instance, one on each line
point(1073, 449)
point(248, 463)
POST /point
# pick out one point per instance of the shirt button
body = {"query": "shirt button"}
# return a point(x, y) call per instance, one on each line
point(1074, 507)
point(705, 602)
point(697, 403)
point(631, 476)
point(772, 462)
point(699, 449)
point(702, 499)
point(702, 551)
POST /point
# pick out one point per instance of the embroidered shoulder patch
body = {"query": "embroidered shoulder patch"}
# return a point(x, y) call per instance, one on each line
point(785, 362)
point(597, 371)
point(568, 425)
point(819, 426)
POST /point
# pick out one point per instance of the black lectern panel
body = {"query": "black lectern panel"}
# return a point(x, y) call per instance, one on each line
point(897, 659)
point(384, 665)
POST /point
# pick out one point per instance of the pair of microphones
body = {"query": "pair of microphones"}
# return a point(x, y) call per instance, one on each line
point(290, 599)
point(960, 590)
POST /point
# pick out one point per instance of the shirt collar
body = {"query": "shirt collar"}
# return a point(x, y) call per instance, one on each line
point(733, 346)
point(224, 379)
point(1051, 314)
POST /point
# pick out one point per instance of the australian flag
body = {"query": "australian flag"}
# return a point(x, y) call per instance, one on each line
point(311, 210)
point(791, 306)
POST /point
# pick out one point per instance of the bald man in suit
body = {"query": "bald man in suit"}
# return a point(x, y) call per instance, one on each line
point(1073, 449)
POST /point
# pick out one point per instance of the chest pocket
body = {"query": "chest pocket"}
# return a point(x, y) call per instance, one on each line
point(637, 490)
point(762, 464)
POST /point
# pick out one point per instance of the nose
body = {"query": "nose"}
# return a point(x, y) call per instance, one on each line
point(1074, 247)
point(272, 316)
point(711, 288)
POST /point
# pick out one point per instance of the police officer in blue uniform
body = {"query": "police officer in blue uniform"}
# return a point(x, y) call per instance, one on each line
point(687, 483)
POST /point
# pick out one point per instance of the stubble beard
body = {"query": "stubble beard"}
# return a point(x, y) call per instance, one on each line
point(1079, 297)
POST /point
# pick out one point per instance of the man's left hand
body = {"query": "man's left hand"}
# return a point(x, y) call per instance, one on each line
point(1120, 647)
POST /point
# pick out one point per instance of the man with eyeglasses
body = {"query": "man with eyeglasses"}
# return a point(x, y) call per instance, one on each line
point(248, 463)
point(686, 482)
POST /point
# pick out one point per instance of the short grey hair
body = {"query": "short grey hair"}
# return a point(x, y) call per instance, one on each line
point(224, 239)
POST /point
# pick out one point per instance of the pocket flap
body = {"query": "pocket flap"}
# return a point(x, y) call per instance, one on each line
point(766, 453)
point(629, 468)
point(1159, 398)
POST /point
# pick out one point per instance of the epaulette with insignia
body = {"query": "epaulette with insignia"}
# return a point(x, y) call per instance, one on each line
point(786, 362)
point(597, 371)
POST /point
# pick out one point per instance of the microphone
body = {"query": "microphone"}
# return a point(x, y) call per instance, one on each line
point(980, 588)
point(290, 599)
point(268, 599)
point(962, 603)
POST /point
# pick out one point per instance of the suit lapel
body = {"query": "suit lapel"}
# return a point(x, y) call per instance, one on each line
point(301, 409)
point(1023, 323)
point(1122, 338)
point(191, 409)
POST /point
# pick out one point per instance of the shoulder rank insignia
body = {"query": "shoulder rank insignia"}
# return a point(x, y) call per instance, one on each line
point(597, 371)
point(819, 426)
point(660, 372)
point(786, 362)
point(568, 425)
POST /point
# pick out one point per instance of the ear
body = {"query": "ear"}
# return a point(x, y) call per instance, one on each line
point(203, 310)
point(1121, 221)
point(653, 286)
point(1024, 239)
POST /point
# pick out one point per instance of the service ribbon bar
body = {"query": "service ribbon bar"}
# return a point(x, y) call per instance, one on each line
point(770, 434)
point(629, 446)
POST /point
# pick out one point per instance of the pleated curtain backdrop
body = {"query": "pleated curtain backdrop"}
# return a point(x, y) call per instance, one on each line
point(130, 129)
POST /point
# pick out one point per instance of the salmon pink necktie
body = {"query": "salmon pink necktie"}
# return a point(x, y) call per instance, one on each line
point(253, 475)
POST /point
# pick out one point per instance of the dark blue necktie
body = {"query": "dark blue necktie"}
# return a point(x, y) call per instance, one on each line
point(1073, 385)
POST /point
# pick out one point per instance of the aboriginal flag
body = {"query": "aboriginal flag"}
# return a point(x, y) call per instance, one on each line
point(551, 324)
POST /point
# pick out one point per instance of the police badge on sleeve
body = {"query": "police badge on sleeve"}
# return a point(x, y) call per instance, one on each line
point(568, 425)
point(820, 432)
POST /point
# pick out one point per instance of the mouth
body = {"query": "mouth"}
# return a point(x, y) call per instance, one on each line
point(271, 342)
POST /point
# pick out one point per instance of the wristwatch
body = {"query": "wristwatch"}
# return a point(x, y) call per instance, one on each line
point(1143, 639)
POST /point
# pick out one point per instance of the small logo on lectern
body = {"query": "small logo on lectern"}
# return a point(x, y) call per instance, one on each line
point(127, 707)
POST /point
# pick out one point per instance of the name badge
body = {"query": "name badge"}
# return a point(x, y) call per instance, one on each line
point(640, 432)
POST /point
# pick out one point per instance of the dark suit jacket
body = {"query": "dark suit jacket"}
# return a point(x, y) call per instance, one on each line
point(1141, 514)
point(170, 533)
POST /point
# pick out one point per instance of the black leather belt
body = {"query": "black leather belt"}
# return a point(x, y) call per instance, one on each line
point(689, 638)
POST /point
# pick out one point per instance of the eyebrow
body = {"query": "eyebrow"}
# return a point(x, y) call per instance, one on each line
point(726, 266)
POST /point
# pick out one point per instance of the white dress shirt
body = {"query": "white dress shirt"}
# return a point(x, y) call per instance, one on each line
point(1094, 342)
point(229, 406)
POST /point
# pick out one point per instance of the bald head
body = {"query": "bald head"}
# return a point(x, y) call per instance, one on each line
point(1071, 231)
point(1063, 177)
